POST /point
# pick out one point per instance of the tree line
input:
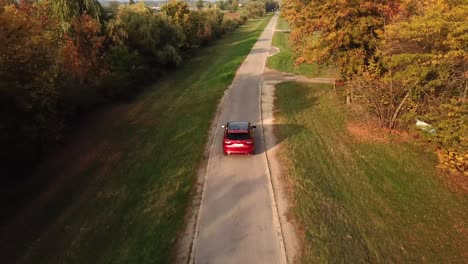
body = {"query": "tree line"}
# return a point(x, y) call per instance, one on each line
point(404, 60)
point(59, 59)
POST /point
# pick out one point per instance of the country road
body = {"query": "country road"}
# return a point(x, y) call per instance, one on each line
point(238, 219)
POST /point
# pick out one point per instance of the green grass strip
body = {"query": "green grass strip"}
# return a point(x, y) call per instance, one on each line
point(285, 60)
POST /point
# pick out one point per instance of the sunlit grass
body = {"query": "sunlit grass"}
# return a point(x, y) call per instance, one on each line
point(364, 201)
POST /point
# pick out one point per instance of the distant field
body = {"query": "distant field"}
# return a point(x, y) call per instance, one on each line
point(285, 60)
point(122, 186)
point(363, 198)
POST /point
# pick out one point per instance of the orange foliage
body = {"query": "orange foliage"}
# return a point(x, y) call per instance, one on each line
point(343, 32)
point(83, 48)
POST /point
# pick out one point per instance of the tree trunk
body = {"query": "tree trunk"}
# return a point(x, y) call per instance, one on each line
point(397, 111)
point(349, 97)
point(466, 89)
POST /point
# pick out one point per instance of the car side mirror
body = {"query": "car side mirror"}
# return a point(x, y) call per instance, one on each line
point(253, 126)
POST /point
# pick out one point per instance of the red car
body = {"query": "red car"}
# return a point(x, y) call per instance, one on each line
point(238, 138)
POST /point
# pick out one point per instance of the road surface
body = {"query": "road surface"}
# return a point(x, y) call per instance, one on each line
point(238, 219)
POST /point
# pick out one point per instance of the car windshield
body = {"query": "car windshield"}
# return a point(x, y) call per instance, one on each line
point(238, 136)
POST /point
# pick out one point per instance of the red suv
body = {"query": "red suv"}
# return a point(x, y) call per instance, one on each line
point(238, 138)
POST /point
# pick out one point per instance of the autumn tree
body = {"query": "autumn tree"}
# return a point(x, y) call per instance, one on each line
point(82, 51)
point(427, 54)
point(177, 11)
point(344, 32)
point(29, 70)
point(6, 3)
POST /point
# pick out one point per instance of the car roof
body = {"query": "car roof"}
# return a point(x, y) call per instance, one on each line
point(239, 126)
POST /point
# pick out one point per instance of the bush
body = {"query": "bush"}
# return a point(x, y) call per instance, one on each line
point(452, 125)
point(214, 20)
point(229, 24)
point(203, 26)
point(127, 68)
point(152, 35)
point(194, 24)
point(255, 9)
point(243, 18)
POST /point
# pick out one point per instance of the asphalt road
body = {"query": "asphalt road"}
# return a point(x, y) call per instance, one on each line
point(238, 219)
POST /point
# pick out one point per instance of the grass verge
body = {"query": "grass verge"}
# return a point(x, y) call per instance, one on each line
point(282, 24)
point(362, 201)
point(121, 188)
point(285, 60)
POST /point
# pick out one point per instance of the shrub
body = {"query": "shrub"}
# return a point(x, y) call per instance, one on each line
point(214, 20)
point(229, 24)
point(255, 9)
point(193, 27)
point(243, 18)
point(151, 35)
point(127, 69)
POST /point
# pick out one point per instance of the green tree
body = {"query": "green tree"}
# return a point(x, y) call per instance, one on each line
point(152, 35)
point(221, 5)
point(113, 6)
point(271, 5)
point(67, 10)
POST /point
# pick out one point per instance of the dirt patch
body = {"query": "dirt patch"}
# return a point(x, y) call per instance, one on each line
point(370, 132)
point(458, 183)
point(232, 15)
point(365, 132)
point(366, 128)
